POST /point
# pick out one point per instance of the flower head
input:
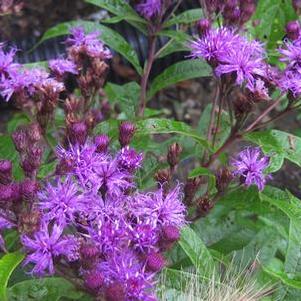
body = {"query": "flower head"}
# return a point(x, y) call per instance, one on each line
point(61, 200)
point(88, 44)
point(129, 159)
point(62, 66)
point(250, 165)
point(44, 247)
point(6, 222)
point(149, 8)
point(291, 54)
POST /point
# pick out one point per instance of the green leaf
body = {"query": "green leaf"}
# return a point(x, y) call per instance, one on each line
point(166, 126)
point(122, 9)
point(46, 169)
point(44, 289)
point(179, 72)
point(109, 36)
point(279, 145)
point(201, 171)
point(196, 250)
point(41, 65)
point(7, 265)
point(126, 96)
point(187, 17)
point(273, 15)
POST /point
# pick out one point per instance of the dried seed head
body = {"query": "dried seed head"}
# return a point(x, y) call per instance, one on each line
point(223, 179)
point(29, 222)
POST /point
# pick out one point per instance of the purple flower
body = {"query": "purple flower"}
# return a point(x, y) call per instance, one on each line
point(84, 161)
point(7, 60)
point(44, 247)
point(156, 206)
point(62, 66)
point(214, 45)
point(245, 61)
point(292, 54)
point(126, 269)
point(113, 180)
point(291, 82)
point(87, 43)
point(61, 200)
point(129, 159)
point(149, 8)
point(250, 165)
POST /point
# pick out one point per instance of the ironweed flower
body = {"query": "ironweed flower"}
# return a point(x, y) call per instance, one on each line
point(62, 66)
point(45, 246)
point(149, 8)
point(250, 165)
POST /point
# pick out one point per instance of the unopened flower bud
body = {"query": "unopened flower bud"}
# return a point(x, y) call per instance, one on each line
point(29, 188)
point(77, 133)
point(102, 143)
point(204, 205)
point(29, 222)
point(173, 155)
point(223, 179)
point(5, 171)
point(20, 139)
point(106, 109)
point(190, 189)
point(94, 280)
point(126, 133)
point(155, 262)
point(34, 132)
point(247, 11)
point(10, 192)
point(162, 176)
point(170, 233)
point(115, 292)
point(293, 30)
point(204, 26)
point(297, 5)
point(242, 105)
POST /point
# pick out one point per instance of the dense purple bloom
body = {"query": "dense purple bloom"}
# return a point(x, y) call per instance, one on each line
point(250, 165)
point(7, 61)
point(149, 8)
point(62, 66)
point(214, 45)
point(61, 200)
point(129, 159)
point(291, 54)
point(165, 209)
point(126, 269)
point(87, 43)
point(229, 52)
point(45, 246)
point(291, 82)
point(246, 62)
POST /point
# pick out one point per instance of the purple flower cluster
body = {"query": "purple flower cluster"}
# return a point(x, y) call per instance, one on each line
point(250, 165)
point(149, 8)
point(121, 233)
point(291, 77)
point(231, 54)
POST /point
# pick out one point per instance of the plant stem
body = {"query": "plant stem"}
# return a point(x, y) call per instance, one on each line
point(146, 73)
point(263, 114)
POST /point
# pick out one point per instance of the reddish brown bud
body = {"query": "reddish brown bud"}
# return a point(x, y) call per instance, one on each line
point(126, 133)
point(190, 189)
point(20, 139)
point(204, 205)
point(29, 188)
point(173, 155)
point(29, 222)
point(170, 233)
point(102, 143)
point(203, 26)
point(242, 105)
point(162, 176)
point(94, 280)
point(115, 292)
point(5, 171)
point(155, 262)
point(293, 30)
point(10, 192)
point(34, 132)
point(77, 133)
point(223, 179)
